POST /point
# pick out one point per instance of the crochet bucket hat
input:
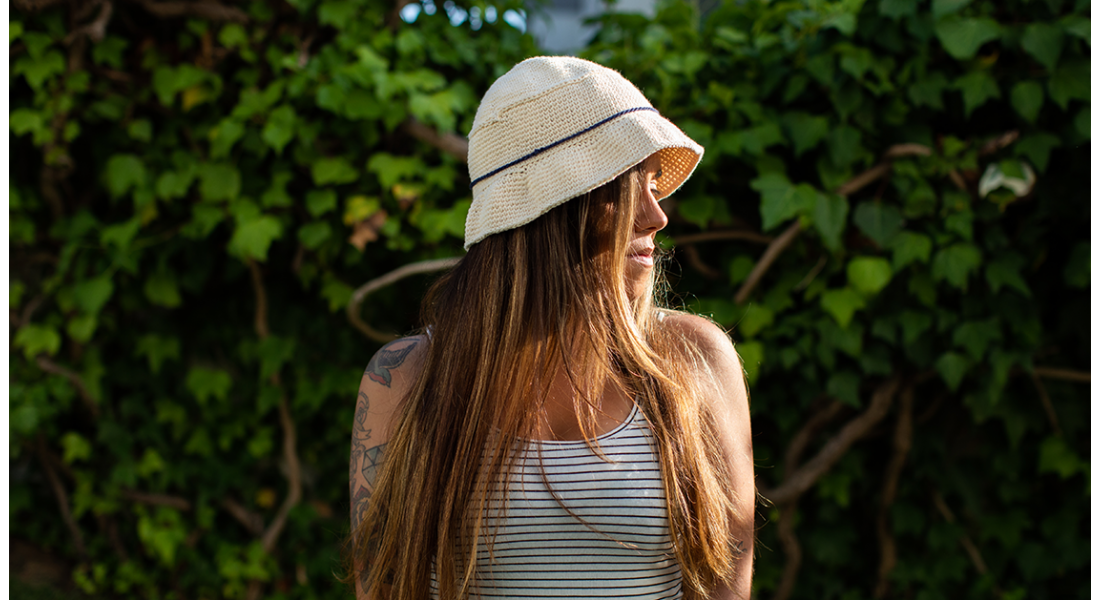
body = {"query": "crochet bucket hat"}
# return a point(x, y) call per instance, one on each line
point(555, 127)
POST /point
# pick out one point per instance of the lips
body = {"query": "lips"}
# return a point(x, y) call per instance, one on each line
point(643, 256)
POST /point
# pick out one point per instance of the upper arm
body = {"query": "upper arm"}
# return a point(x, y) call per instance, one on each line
point(727, 396)
point(389, 376)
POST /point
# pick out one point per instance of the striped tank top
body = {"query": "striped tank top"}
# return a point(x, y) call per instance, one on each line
point(541, 551)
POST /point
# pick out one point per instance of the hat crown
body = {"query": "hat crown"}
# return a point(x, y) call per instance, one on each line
point(540, 75)
point(555, 127)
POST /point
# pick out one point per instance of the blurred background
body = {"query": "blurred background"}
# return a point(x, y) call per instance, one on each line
point(219, 210)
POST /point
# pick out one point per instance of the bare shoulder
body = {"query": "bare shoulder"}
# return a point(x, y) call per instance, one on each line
point(713, 343)
point(397, 364)
point(722, 364)
point(389, 376)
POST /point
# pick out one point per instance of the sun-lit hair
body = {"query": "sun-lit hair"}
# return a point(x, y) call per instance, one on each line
point(520, 305)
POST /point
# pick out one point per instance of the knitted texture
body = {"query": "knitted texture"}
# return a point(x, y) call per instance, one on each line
point(555, 127)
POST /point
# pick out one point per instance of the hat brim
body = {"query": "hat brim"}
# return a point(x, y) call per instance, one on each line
point(581, 165)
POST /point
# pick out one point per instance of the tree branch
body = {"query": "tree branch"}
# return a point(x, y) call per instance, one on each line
point(62, 498)
point(260, 320)
point(711, 236)
point(1063, 374)
point(864, 179)
point(792, 551)
point(211, 11)
point(1048, 407)
point(97, 29)
point(967, 544)
point(903, 441)
point(252, 522)
point(802, 479)
point(294, 477)
point(775, 248)
point(175, 502)
point(697, 263)
point(82, 390)
point(451, 143)
point(368, 288)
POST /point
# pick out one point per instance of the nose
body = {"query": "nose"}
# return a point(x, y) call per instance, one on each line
point(649, 217)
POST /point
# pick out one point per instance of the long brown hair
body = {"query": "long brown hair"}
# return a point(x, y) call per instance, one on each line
point(522, 304)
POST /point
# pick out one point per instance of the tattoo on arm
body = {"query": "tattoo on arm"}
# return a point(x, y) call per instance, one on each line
point(385, 359)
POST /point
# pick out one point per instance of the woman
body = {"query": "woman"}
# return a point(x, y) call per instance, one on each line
point(552, 433)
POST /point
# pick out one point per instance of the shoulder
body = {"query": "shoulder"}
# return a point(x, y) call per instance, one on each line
point(390, 375)
point(397, 362)
point(704, 335)
point(721, 364)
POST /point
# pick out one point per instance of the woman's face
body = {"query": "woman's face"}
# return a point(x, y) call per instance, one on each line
point(649, 218)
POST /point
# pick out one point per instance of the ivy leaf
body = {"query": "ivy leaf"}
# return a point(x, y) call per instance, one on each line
point(1005, 270)
point(1067, 84)
point(38, 70)
point(910, 247)
point(275, 195)
point(913, 324)
point(942, 8)
point(842, 304)
point(1044, 42)
point(337, 13)
point(955, 263)
point(319, 202)
point(224, 135)
point(205, 383)
point(830, 216)
point(335, 170)
point(869, 274)
point(1083, 122)
point(844, 145)
point(778, 202)
point(391, 169)
point(844, 386)
point(805, 130)
point(1036, 147)
point(23, 121)
point(253, 236)
point(896, 9)
point(123, 173)
point(962, 37)
point(120, 235)
point(1078, 271)
point(752, 357)
point(928, 90)
point(81, 327)
point(975, 336)
point(756, 318)
point(91, 294)
point(37, 339)
point(157, 349)
point(161, 289)
point(878, 221)
point(1055, 456)
point(312, 235)
point(279, 129)
point(952, 366)
point(1078, 26)
point(977, 88)
point(697, 209)
point(336, 292)
point(219, 182)
point(174, 184)
point(1027, 99)
point(74, 447)
point(274, 352)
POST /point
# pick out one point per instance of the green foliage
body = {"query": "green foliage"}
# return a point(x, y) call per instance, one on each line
point(182, 161)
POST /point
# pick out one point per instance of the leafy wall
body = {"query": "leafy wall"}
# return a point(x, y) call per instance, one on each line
point(892, 217)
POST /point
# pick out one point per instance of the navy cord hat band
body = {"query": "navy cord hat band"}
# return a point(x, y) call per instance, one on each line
point(559, 142)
